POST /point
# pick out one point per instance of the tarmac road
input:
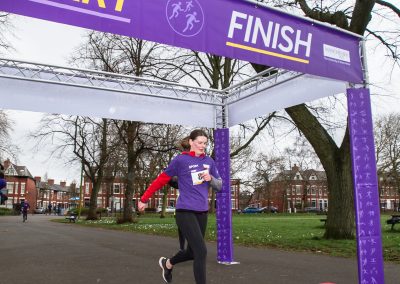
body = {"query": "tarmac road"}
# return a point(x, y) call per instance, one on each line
point(41, 252)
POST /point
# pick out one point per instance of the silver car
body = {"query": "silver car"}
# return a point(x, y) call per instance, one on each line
point(168, 209)
point(39, 210)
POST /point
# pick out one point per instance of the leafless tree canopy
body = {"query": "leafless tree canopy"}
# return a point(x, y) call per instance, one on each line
point(387, 142)
point(5, 32)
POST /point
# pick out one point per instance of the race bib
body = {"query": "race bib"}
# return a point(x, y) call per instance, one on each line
point(196, 177)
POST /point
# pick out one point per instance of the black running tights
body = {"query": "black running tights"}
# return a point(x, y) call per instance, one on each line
point(193, 227)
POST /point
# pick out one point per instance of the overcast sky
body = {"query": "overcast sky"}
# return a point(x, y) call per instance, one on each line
point(51, 43)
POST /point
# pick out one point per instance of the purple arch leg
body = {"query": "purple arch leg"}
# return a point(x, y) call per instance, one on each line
point(366, 195)
point(224, 212)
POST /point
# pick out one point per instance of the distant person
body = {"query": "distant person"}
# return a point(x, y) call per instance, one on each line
point(49, 208)
point(192, 204)
point(24, 209)
point(3, 185)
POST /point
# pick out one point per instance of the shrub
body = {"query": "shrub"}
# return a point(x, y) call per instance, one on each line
point(6, 211)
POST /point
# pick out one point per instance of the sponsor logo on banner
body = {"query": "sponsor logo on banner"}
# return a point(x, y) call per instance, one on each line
point(260, 35)
point(336, 54)
point(186, 18)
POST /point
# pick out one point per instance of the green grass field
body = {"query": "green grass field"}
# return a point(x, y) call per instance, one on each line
point(300, 232)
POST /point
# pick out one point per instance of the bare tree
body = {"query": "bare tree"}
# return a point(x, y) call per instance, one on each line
point(387, 141)
point(266, 168)
point(336, 159)
point(89, 141)
point(7, 147)
point(6, 28)
point(302, 154)
point(126, 55)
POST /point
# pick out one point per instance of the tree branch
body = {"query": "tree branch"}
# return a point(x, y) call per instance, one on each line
point(390, 6)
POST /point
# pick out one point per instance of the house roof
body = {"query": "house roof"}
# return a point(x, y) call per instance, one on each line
point(54, 187)
point(19, 171)
point(306, 174)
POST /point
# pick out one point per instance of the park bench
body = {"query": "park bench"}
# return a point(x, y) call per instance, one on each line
point(394, 220)
point(71, 218)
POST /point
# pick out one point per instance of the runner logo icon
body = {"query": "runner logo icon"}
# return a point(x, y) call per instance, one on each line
point(185, 17)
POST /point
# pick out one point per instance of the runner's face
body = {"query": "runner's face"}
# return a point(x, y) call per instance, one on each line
point(198, 145)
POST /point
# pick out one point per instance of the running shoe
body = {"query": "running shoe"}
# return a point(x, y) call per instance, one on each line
point(166, 273)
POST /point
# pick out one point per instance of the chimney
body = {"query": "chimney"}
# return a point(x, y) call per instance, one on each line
point(63, 183)
point(7, 164)
point(38, 179)
point(50, 181)
point(295, 168)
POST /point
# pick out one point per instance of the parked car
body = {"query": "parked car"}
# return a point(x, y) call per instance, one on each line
point(168, 209)
point(311, 210)
point(39, 210)
point(252, 210)
point(269, 209)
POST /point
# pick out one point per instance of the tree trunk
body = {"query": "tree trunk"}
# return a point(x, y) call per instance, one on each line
point(164, 202)
point(337, 165)
point(340, 220)
point(131, 129)
point(96, 174)
point(212, 202)
point(92, 214)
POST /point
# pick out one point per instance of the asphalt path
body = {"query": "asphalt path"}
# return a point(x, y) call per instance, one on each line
point(41, 252)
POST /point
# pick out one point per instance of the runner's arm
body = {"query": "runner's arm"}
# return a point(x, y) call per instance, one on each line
point(157, 184)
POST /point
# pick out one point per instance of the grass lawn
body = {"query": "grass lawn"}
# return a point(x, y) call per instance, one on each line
point(300, 232)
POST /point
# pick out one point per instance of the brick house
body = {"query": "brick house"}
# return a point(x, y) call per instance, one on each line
point(55, 194)
point(389, 188)
point(294, 189)
point(112, 192)
point(20, 185)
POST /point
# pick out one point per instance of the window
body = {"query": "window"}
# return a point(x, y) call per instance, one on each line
point(313, 203)
point(116, 188)
point(10, 171)
point(313, 190)
point(22, 188)
point(233, 204)
point(298, 189)
point(87, 186)
point(232, 191)
point(172, 191)
point(10, 187)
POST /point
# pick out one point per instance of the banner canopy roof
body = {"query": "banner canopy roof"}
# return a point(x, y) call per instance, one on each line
point(233, 28)
point(55, 89)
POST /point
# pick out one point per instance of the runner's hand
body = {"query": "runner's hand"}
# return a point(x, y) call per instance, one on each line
point(206, 176)
point(141, 206)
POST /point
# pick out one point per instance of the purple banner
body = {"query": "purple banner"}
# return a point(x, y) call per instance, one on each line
point(232, 28)
point(366, 194)
point(224, 205)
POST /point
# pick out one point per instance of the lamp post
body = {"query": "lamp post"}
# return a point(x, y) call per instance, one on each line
point(80, 194)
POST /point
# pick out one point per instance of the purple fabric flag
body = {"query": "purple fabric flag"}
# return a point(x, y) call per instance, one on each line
point(366, 195)
point(224, 206)
point(232, 28)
